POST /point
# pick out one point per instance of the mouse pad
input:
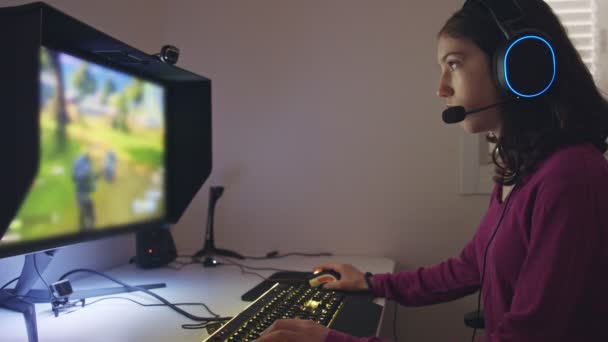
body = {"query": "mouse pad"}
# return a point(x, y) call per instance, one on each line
point(291, 277)
point(359, 316)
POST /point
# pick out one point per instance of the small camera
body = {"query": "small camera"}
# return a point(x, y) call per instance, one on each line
point(168, 54)
point(62, 289)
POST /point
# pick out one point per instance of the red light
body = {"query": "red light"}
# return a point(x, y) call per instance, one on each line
point(150, 251)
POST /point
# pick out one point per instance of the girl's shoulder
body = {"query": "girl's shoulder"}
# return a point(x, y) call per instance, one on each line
point(581, 163)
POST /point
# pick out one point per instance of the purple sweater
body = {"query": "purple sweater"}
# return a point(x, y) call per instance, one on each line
point(547, 267)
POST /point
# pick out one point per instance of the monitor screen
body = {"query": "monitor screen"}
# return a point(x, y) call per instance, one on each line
point(102, 152)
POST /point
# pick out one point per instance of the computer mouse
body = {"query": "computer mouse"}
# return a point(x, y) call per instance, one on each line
point(321, 277)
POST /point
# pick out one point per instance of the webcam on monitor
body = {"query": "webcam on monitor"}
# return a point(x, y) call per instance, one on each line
point(168, 54)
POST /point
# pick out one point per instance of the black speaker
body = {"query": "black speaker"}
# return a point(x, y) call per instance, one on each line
point(154, 247)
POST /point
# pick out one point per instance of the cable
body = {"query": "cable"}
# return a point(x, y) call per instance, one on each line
point(485, 255)
point(195, 326)
point(161, 299)
point(252, 267)
point(244, 267)
point(52, 295)
point(271, 255)
point(243, 271)
point(142, 304)
point(275, 255)
point(184, 326)
point(395, 322)
point(7, 284)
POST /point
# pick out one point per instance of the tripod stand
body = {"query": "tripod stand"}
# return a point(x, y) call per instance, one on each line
point(209, 250)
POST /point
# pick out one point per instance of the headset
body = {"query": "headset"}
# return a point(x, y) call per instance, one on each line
point(525, 64)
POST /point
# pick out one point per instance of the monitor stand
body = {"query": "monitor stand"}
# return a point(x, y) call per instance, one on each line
point(22, 298)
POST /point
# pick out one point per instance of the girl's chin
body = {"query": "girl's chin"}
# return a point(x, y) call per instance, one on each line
point(468, 127)
point(471, 128)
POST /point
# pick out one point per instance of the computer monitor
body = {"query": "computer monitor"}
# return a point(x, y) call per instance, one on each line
point(102, 154)
point(101, 164)
point(97, 138)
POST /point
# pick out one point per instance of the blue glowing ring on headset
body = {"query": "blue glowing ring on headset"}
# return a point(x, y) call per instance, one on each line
point(505, 65)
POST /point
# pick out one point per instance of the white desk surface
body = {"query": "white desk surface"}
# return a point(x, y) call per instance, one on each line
point(220, 288)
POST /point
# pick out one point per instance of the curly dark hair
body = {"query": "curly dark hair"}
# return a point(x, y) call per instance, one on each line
point(573, 111)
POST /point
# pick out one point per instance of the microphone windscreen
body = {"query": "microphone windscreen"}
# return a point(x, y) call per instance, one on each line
point(453, 114)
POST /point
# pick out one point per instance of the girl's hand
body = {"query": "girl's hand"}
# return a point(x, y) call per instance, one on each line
point(294, 330)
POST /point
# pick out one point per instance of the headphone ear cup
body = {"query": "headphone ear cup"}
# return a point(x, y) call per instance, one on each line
point(525, 66)
point(498, 72)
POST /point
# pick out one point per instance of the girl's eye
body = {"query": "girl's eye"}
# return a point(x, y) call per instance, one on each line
point(453, 64)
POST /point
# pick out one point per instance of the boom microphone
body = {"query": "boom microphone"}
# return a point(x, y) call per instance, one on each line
point(457, 113)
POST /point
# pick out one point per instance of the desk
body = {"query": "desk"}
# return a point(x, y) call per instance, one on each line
point(220, 288)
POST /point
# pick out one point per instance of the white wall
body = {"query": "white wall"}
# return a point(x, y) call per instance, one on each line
point(328, 137)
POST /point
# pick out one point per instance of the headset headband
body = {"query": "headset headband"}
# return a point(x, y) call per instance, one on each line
point(504, 13)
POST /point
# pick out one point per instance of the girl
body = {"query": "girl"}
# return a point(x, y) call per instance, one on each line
point(540, 255)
